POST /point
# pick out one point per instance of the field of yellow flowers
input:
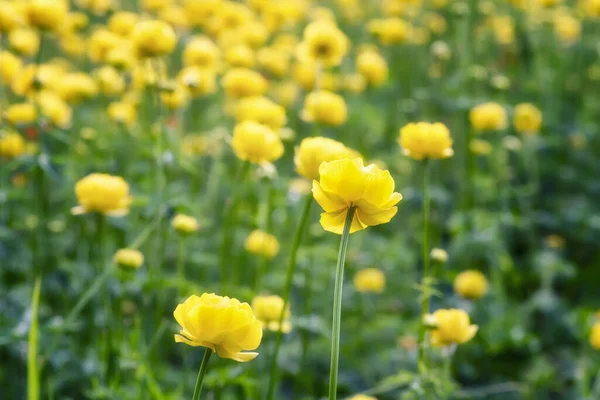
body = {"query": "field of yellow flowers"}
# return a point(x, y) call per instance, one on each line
point(299, 199)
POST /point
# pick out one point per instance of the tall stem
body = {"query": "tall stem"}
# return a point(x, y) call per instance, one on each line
point(425, 295)
point(287, 289)
point(203, 368)
point(337, 305)
point(33, 372)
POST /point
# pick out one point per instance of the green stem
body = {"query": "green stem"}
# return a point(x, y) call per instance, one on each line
point(425, 295)
point(33, 373)
point(337, 305)
point(201, 373)
point(287, 289)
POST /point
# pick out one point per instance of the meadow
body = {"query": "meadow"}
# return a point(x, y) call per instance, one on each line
point(299, 199)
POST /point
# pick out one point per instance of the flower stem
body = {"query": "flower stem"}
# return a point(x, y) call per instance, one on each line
point(201, 373)
point(337, 305)
point(33, 373)
point(425, 295)
point(287, 289)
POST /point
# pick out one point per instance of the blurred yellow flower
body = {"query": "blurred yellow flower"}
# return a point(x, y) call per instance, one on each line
point(369, 280)
point(224, 325)
point(313, 151)
point(595, 336)
point(452, 326)
point(185, 224)
point(12, 145)
point(423, 140)
point(256, 143)
point(46, 14)
point(323, 42)
point(348, 183)
point(243, 82)
point(262, 243)
point(324, 107)
point(488, 117)
point(471, 284)
point(262, 110)
point(373, 67)
point(128, 258)
point(153, 38)
point(20, 113)
point(527, 118)
point(267, 310)
point(102, 193)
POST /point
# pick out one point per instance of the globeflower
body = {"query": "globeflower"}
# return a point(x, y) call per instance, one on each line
point(527, 118)
point(348, 183)
point(369, 280)
point(262, 243)
point(488, 117)
point(324, 107)
point(452, 326)
point(224, 325)
point(256, 143)
point(102, 193)
point(471, 284)
point(313, 151)
point(323, 42)
point(424, 140)
point(268, 310)
point(153, 38)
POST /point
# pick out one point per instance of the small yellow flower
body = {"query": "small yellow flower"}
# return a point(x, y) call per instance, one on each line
point(102, 193)
point(122, 112)
point(20, 113)
point(153, 38)
point(47, 14)
point(369, 280)
point(256, 143)
point(471, 284)
point(185, 224)
point(262, 243)
point(243, 82)
point(201, 52)
point(267, 310)
point(348, 183)
point(224, 325)
point(12, 145)
point(313, 151)
point(323, 42)
point(439, 255)
point(452, 326)
point(128, 258)
point(595, 336)
point(325, 107)
point(424, 140)
point(373, 67)
point(527, 118)
point(488, 117)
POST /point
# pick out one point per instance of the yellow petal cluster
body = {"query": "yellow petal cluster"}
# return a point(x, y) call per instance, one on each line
point(452, 326)
point(224, 325)
point(267, 310)
point(471, 284)
point(256, 143)
point(102, 193)
point(262, 243)
point(369, 280)
point(424, 140)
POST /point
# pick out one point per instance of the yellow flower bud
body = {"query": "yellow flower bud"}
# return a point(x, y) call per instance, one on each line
point(256, 143)
point(153, 38)
point(313, 151)
point(12, 145)
point(452, 326)
point(488, 117)
point(369, 280)
point(47, 14)
point(242, 82)
point(471, 284)
point(185, 224)
point(262, 243)
point(325, 107)
point(102, 193)
point(262, 110)
point(128, 258)
point(20, 113)
point(224, 325)
point(267, 310)
point(527, 118)
point(424, 140)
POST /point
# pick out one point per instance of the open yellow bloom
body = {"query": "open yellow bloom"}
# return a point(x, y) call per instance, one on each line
point(268, 310)
point(471, 284)
point(11, 145)
point(323, 42)
point(224, 325)
point(595, 336)
point(527, 118)
point(325, 107)
point(262, 110)
point(46, 14)
point(348, 183)
point(369, 280)
point(128, 258)
point(262, 243)
point(425, 140)
point(256, 143)
point(102, 193)
point(453, 326)
point(313, 151)
point(488, 117)
point(153, 38)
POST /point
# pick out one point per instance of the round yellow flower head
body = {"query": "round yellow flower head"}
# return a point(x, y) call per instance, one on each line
point(369, 280)
point(201, 52)
point(488, 117)
point(128, 258)
point(224, 325)
point(20, 113)
point(439, 255)
point(153, 38)
point(12, 145)
point(452, 326)
point(595, 336)
point(11, 16)
point(313, 151)
point(55, 108)
point(527, 118)
point(256, 143)
point(123, 23)
point(198, 81)
point(102, 193)
point(471, 284)
point(348, 183)
point(10, 66)
point(24, 41)
point(262, 243)
point(362, 397)
point(47, 14)
point(122, 112)
point(185, 224)
point(268, 310)
point(262, 110)
point(243, 82)
point(323, 42)
point(325, 107)
point(424, 140)
point(373, 67)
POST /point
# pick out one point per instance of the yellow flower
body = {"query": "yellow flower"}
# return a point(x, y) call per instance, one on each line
point(262, 243)
point(323, 42)
point(153, 38)
point(595, 336)
point(471, 284)
point(128, 258)
point(325, 107)
point(256, 143)
point(10, 66)
point(313, 151)
point(102, 193)
point(348, 183)
point(20, 113)
point(424, 140)
point(224, 325)
point(24, 41)
point(527, 118)
point(488, 117)
point(185, 224)
point(452, 326)
point(262, 110)
point(47, 14)
point(123, 22)
point(201, 52)
point(369, 280)
point(12, 145)
point(122, 112)
point(11, 16)
point(373, 67)
point(199, 81)
point(268, 310)
point(243, 82)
